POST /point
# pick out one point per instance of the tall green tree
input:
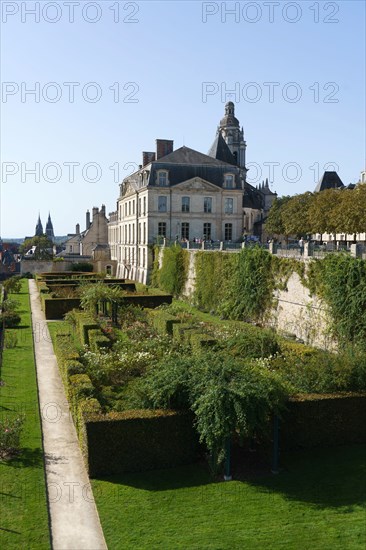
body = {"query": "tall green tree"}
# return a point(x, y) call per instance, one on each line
point(295, 214)
point(274, 223)
point(323, 211)
point(43, 246)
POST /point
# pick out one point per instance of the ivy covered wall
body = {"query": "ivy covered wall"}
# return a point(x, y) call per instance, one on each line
point(319, 301)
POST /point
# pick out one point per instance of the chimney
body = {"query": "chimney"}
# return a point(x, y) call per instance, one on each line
point(87, 219)
point(95, 211)
point(147, 157)
point(163, 147)
point(102, 210)
point(77, 229)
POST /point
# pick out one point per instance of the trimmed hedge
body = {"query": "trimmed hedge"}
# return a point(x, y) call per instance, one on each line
point(179, 332)
point(151, 301)
point(97, 340)
point(199, 341)
point(162, 321)
point(135, 441)
point(84, 324)
point(315, 420)
point(56, 308)
point(67, 358)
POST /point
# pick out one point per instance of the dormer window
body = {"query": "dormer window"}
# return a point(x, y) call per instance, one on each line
point(162, 178)
point(229, 181)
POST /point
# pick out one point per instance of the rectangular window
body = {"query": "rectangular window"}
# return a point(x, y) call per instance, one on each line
point(162, 204)
point(144, 212)
point(139, 207)
point(229, 206)
point(162, 229)
point(144, 233)
point(228, 231)
point(185, 230)
point(229, 181)
point(133, 207)
point(185, 204)
point(129, 208)
point(162, 178)
point(207, 231)
point(125, 208)
point(207, 205)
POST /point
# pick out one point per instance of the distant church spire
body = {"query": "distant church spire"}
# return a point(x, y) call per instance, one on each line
point(49, 228)
point(39, 227)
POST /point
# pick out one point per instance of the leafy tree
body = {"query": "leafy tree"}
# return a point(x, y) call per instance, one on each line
point(9, 316)
point(354, 210)
point(93, 293)
point(13, 284)
point(226, 394)
point(295, 215)
point(274, 223)
point(43, 246)
point(229, 396)
point(323, 211)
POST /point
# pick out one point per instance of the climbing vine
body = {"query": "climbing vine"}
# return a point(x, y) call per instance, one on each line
point(236, 286)
point(241, 286)
point(174, 270)
point(340, 281)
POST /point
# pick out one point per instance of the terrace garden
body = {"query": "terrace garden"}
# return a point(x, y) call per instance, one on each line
point(229, 377)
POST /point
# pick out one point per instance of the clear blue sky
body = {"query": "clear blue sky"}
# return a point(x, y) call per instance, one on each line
point(169, 52)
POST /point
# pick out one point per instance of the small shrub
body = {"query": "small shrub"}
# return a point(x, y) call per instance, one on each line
point(13, 284)
point(82, 266)
point(11, 340)
point(10, 432)
point(10, 319)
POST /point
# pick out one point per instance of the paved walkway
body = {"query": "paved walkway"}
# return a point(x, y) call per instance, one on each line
point(74, 518)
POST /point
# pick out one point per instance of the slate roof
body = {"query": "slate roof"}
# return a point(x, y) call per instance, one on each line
point(329, 180)
point(220, 150)
point(185, 163)
point(252, 197)
point(186, 155)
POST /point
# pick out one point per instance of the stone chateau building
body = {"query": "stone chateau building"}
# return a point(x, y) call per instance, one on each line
point(185, 195)
point(95, 235)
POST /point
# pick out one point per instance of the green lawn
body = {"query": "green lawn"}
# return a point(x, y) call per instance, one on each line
point(23, 510)
point(317, 502)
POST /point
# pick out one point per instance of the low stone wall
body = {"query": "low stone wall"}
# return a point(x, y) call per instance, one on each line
point(46, 266)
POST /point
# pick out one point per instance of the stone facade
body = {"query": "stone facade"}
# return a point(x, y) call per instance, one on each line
point(186, 195)
point(96, 233)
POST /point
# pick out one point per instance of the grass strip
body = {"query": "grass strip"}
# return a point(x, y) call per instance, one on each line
point(23, 508)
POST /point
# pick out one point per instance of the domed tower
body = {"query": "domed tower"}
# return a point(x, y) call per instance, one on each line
point(233, 134)
point(39, 227)
point(49, 228)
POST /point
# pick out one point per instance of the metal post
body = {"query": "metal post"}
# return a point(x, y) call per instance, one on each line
point(227, 474)
point(275, 460)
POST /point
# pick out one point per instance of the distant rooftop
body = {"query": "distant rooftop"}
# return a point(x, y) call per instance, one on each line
point(329, 180)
